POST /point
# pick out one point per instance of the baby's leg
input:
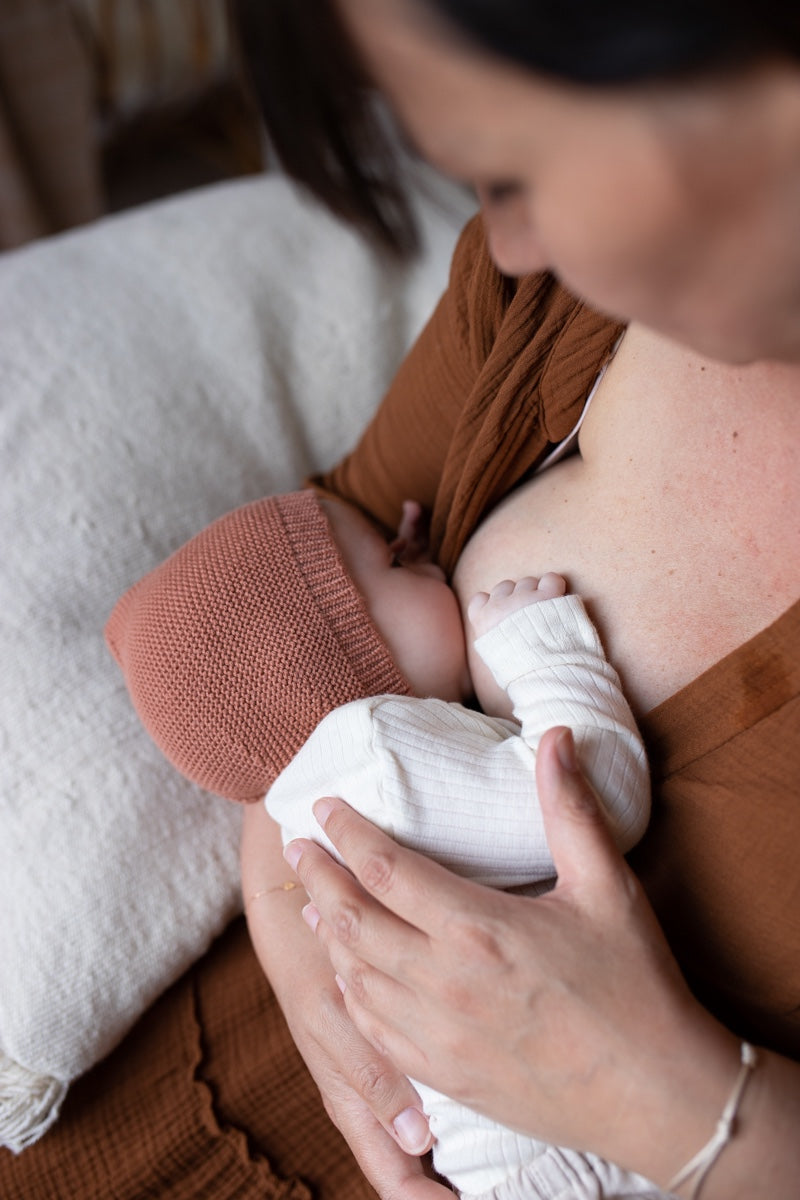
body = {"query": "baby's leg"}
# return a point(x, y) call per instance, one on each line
point(487, 609)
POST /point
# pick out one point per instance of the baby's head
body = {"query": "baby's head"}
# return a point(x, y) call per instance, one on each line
point(238, 645)
point(411, 603)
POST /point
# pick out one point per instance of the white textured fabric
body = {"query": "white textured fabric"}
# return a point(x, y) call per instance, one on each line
point(461, 787)
point(156, 370)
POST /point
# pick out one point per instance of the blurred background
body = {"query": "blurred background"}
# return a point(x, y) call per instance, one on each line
point(105, 104)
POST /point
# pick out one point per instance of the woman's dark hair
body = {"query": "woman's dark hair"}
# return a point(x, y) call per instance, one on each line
point(329, 133)
point(322, 116)
point(615, 42)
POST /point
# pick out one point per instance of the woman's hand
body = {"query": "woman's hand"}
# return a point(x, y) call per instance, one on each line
point(411, 544)
point(368, 1099)
point(564, 1016)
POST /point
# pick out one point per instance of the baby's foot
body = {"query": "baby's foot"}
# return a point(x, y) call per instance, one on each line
point(487, 609)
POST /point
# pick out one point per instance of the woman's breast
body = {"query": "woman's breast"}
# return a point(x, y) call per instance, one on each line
point(660, 534)
point(558, 521)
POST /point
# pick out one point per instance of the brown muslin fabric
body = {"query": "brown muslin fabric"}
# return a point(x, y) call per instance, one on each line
point(207, 1099)
point(236, 647)
point(720, 859)
point(498, 376)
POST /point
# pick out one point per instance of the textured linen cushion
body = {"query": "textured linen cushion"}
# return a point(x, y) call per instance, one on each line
point(156, 370)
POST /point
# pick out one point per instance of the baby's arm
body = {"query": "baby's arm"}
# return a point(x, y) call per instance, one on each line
point(459, 785)
point(543, 650)
point(445, 780)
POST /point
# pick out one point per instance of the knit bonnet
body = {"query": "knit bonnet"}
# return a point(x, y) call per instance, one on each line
point(238, 645)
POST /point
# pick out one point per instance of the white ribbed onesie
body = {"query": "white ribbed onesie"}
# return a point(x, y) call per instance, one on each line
point(460, 787)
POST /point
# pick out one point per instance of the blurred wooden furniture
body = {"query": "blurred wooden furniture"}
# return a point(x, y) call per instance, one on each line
point(107, 103)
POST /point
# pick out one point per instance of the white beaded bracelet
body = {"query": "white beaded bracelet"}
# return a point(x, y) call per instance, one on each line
point(704, 1160)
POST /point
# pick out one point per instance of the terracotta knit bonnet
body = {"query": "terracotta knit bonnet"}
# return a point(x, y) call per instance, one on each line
point(238, 645)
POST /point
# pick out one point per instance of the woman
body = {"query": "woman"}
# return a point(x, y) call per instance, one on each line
point(655, 169)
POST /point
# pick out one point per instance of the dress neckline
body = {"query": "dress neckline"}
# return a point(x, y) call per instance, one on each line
point(744, 687)
point(568, 444)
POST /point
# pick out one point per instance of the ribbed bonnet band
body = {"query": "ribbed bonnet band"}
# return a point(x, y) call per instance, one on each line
point(238, 645)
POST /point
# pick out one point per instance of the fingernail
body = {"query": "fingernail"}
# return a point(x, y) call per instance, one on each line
point(565, 748)
point(293, 852)
point(310, 915)
point(340, 983)
point(322, 810)
point(413, 1133)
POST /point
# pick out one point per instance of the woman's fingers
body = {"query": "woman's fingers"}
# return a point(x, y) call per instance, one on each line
point(411, 993)
point(374, 1106)
point(350, 1073)
point(378, 1086)
point(402, 881)
point(411, 543)
point(366, 991)
point(583, 850)
point(393, 1173)
point(367, 946)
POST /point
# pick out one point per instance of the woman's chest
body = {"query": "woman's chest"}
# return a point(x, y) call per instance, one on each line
point(677, 523)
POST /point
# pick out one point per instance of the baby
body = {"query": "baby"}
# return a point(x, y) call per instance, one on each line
point(285, 653)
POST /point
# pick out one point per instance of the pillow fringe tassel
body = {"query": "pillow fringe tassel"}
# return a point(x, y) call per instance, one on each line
point(29, 1104)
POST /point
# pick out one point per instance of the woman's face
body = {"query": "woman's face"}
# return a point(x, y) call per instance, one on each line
point(677, 206)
